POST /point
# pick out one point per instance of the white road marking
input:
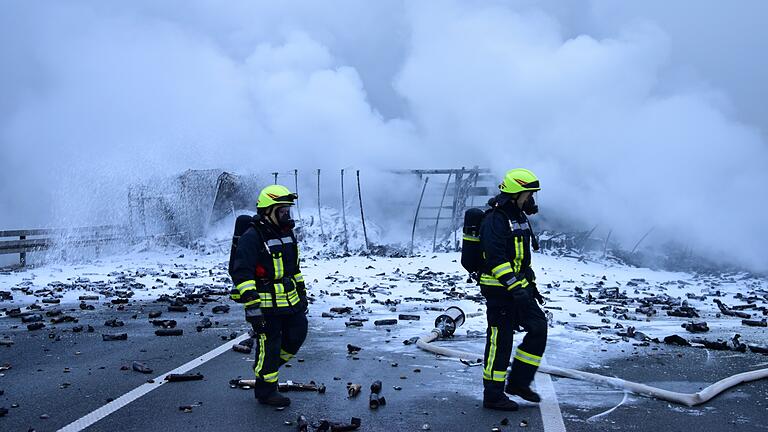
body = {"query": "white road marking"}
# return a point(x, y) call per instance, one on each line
point(550, 408)
point(143, 389)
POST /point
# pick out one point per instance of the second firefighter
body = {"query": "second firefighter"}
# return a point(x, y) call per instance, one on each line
point(508, 284)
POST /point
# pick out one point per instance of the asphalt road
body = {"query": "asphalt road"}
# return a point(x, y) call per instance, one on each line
point(686, 370)
point(64, 376)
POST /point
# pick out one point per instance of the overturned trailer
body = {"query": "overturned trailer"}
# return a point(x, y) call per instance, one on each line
point(187, 204)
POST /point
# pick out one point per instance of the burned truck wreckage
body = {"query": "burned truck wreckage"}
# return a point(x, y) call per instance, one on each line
point(186, 205)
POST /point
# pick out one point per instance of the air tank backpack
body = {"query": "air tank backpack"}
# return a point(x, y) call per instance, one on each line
point(242, 223)
point(471, 251)
point(472, 258)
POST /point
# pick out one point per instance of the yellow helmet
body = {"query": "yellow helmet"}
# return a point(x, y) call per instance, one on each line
point(275, 194)
point(519, 180)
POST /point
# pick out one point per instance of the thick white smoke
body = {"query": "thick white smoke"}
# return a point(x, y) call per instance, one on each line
point(588, 116)
point(626, 128)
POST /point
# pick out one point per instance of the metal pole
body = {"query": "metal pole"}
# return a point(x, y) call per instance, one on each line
point(605, 248)
point(641, 240)
point(454, 224)
point(142, 212)
point(439, 210)
point(275, 174)
point(362, 215)
point(586, 239)
point(130, 211)
point(23, 255)
point(416, 217)
point(476, 174)
point(319, 213)
point(296, 191)
point(344, 214)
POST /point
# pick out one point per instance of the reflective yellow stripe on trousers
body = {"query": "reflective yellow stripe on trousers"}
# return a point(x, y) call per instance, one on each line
point(488, 372)
point(525, 357)
point(260, 362)
point(285, 355)
point(271, 377)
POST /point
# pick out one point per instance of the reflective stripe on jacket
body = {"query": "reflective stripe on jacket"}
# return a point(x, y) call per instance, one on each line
point(506, 242)
point(280, 287)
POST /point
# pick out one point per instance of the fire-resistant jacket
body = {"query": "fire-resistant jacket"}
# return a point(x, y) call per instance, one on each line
point(266, 272)
point(505, 237)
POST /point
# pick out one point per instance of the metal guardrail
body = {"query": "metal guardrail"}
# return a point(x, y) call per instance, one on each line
point(42, 239)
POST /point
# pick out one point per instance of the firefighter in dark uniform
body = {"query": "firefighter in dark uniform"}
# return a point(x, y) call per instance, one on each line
point(267, 279)
point(508, 285)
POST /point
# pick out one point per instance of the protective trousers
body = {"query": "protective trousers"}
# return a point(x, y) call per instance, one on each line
point(276, 345)
point(504, 316)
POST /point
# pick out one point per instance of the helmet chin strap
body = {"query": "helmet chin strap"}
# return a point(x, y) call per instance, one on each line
point(286, 224)
point(271, 216)
point(273, 219)
point(534, 237)
point(502, 200)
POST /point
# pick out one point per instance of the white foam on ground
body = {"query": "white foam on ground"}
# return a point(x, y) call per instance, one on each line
point(392, 278)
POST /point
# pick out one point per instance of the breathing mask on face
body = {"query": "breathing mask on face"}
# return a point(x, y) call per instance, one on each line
point(529, 206)
point(281, 217)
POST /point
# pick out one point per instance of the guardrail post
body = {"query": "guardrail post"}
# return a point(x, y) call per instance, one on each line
point(22, 255)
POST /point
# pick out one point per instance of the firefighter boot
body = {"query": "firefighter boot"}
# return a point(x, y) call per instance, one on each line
point(495, 399)
point(267, 394)
point(274, 399)
point(524, 392)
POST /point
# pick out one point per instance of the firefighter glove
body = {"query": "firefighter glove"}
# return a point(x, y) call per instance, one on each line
point(256, 319)
point(536, 294)
point(304, 305)
point(521, 295)
point(530, 276)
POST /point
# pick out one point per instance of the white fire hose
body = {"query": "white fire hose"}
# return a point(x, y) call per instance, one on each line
point(453, 317)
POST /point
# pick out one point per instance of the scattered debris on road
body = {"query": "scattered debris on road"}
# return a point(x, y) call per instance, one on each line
point(376, 399)
point(141, 367)
point(184, 377)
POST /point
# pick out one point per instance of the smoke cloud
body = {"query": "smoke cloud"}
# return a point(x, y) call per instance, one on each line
point(634, 116)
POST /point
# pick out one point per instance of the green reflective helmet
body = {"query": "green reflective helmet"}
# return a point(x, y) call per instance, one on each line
point(275, 194)
point(519, 180)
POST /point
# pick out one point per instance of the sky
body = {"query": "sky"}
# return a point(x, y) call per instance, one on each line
point(634, 115)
